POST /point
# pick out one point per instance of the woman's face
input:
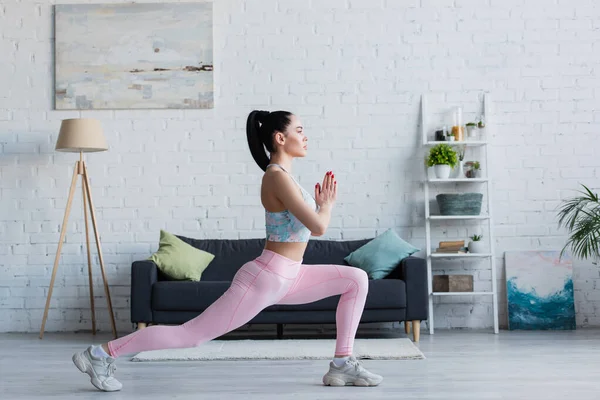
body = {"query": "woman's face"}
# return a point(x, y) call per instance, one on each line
point(294, 142)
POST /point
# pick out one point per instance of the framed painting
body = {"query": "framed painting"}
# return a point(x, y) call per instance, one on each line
point(539, 290)
point(134, 56)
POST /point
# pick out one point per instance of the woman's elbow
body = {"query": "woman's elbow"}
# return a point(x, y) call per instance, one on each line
point(318, 231)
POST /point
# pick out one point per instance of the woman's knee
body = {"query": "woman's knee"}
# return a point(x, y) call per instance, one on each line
point(361, 278)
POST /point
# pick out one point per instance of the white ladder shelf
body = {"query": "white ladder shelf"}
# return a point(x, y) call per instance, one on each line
point(490, 256)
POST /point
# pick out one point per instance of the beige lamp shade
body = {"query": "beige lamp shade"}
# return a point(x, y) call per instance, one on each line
point(81, 135)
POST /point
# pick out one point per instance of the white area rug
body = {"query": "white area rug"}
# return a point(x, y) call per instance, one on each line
point(310, 349)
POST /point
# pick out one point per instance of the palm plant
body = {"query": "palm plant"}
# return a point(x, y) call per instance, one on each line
point(581, 216)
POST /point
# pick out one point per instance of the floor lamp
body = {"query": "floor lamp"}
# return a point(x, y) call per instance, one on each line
point(81, 135)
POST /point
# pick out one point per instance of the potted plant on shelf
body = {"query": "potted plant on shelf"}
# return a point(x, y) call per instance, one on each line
point(581, 216)
point(481, 127)
point(473, 169)
point(471, 130)
point(476, 245)
point(442, 158)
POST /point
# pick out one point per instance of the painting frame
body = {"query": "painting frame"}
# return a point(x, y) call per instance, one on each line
point(134, 56)
point(539, 290)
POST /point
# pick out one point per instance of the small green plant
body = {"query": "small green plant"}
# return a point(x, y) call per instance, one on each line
point(470, 124)
point(442, 154)
point(472, 168)
point(461, 152)
point(476, 238)
point(481, 124)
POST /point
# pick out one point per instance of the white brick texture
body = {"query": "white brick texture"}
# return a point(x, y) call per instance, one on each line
point(353, 70)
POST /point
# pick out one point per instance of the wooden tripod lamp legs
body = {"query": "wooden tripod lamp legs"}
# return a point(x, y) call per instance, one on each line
point(80, 169)
point(86, 183)
point(89, 258)
point(63, 230)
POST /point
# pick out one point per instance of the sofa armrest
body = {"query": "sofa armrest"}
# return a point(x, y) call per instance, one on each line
point(413, 271)
point(143, 276)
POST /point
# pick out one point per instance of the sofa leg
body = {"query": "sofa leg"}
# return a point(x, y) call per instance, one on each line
point(416, 330)
point(141, 325)
point(407, 327)
point(279, 331)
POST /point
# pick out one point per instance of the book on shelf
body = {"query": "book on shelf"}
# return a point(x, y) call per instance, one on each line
point(453, 248)
point(452, 243)
point(462, 250)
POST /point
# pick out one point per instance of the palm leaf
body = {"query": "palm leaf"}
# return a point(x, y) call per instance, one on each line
point(581, 216)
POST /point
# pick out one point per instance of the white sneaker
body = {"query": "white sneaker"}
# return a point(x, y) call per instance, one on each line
point(101, 370)
point(352, 372)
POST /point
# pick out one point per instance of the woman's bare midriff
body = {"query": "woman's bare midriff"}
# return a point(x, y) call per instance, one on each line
point(291, 250)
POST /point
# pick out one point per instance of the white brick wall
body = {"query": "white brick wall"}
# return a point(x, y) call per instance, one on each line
point(353, 70)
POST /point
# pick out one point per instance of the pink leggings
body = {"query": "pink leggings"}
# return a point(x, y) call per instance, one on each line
point(269, 279)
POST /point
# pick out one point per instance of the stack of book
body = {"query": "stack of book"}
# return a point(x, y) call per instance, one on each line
point(452, 247)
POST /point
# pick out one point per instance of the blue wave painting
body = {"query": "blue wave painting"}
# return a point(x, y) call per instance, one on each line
point(539, 291)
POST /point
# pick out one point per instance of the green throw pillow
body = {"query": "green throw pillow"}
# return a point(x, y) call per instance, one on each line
point(179, 260)
point(381, 255)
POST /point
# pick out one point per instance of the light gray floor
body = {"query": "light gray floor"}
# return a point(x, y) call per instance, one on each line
point(460, 365)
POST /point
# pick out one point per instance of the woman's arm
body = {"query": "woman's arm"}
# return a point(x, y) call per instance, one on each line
point(287, 192)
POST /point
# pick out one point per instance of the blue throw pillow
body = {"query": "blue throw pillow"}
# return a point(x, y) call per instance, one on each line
point(381, 255)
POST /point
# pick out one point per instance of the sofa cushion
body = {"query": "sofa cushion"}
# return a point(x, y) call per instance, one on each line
point(381, 255)
point(230, 255)
point(330, 251)
point(179, 260)
point(186, 295)
point(197, 296)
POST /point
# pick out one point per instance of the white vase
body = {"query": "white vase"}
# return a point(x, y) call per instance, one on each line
point(476, 246)
point(472, 132)
point(442, 171)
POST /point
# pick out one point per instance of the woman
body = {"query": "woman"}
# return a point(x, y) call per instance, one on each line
point(277, 276)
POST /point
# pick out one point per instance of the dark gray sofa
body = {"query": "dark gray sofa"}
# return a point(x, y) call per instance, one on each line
point(401, 296)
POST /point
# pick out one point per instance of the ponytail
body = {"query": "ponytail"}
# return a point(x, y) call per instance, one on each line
point(260, 128)
point(257, 147)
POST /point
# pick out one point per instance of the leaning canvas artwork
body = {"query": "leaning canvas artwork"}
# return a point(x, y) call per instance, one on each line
point(539, 289)
point(134, 56)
